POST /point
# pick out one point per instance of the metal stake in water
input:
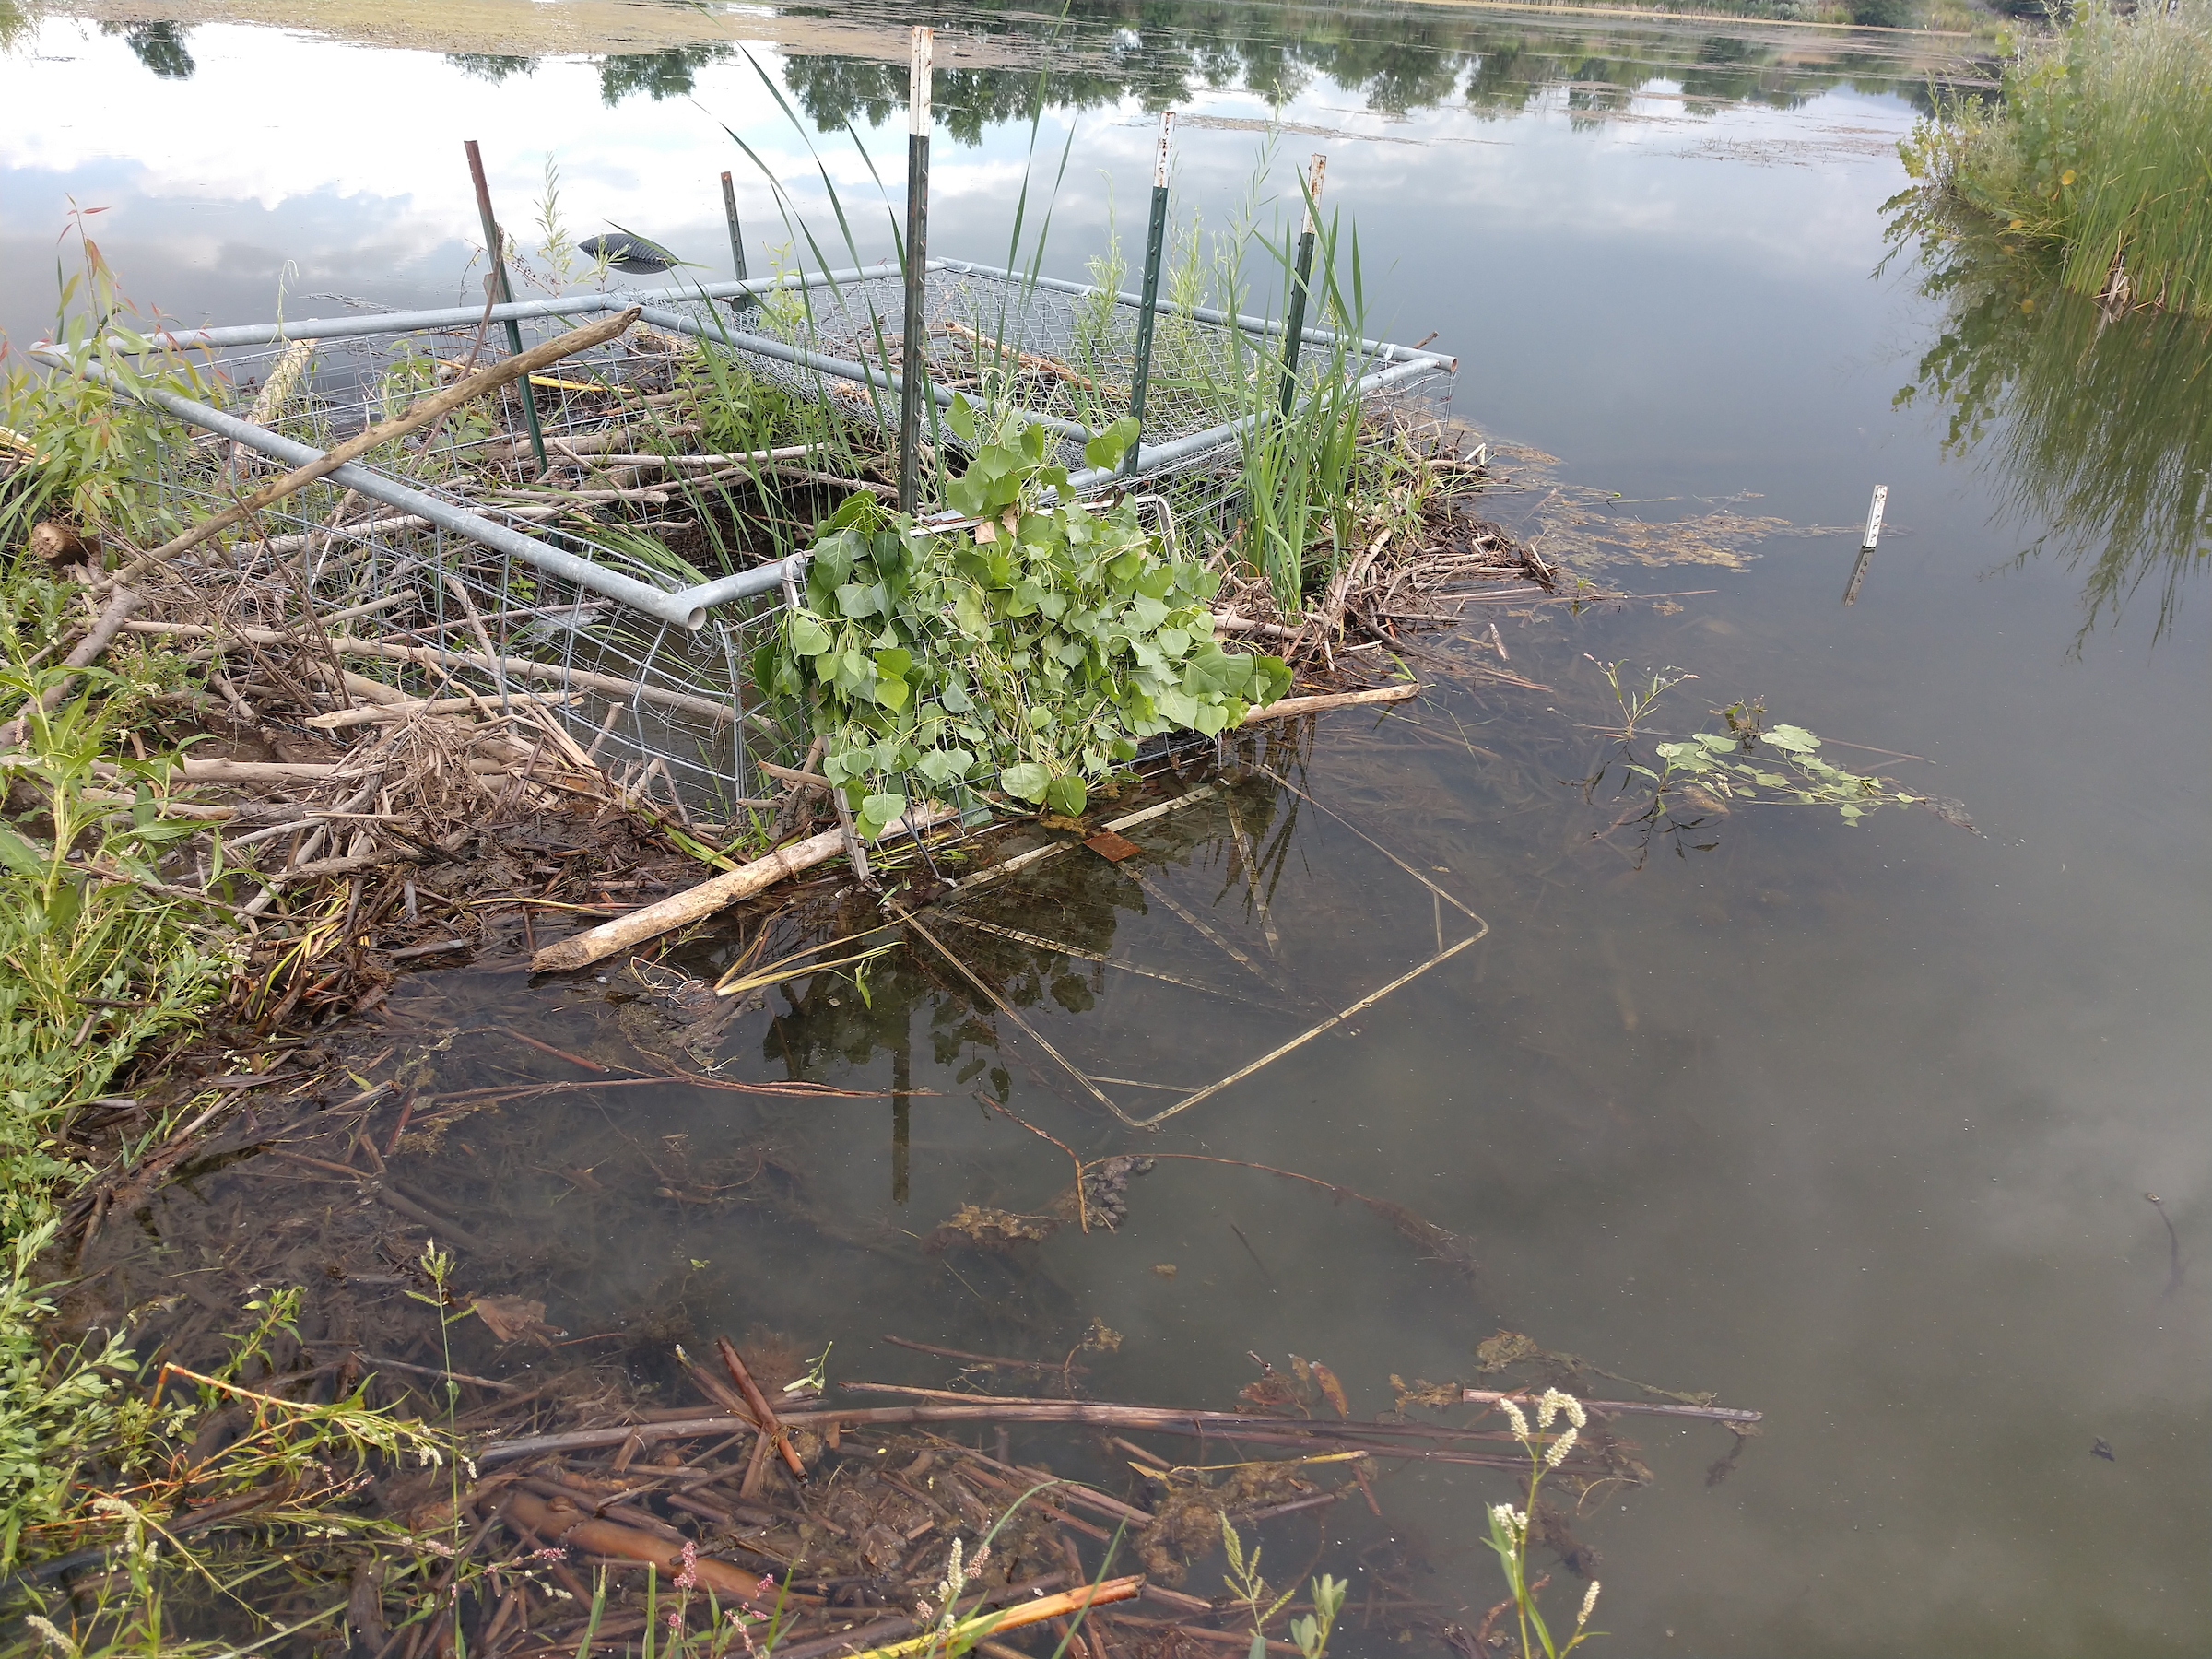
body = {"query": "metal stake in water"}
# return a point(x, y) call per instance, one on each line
point(495, 251)
point(1155, 238)
point(1873, 534)
point(914, 363)
point(729, 210)
point(1295, 332)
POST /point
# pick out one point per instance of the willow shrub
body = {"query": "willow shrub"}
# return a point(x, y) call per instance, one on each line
point(2100, 142)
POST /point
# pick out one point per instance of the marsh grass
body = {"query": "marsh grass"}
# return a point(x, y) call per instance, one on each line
point(93, 970)
point(2100, 142)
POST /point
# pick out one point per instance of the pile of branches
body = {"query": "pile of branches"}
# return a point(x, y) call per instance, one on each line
point(1416, 554)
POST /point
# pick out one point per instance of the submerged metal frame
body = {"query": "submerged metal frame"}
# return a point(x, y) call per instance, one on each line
point(1205, 792)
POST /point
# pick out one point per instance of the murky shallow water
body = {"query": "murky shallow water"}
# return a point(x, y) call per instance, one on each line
point(1851, 1125)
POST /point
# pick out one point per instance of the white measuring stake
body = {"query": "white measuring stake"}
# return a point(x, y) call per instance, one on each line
point(1874, 515)
point(1873, 534)
point(1314, 193)
point(1167, 143)
point(917, 83)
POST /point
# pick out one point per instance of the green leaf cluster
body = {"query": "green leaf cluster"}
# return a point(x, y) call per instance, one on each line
point(1793, 772)
point(1028, 651)
point(73, 447)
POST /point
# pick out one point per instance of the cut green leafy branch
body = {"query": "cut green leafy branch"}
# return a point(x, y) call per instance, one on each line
point(1028, 649)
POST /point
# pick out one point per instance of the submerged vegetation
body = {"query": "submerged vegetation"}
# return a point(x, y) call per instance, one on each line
point(2095, 147)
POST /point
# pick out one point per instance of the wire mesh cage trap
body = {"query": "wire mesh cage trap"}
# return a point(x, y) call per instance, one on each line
point(447, 563)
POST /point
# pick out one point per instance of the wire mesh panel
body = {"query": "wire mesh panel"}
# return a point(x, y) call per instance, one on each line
point(419, 607)
point(502, 579)
point(1061, 353)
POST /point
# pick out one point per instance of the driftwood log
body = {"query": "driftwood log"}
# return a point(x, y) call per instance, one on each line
point(693, 904)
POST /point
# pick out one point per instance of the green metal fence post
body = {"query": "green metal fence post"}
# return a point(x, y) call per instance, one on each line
point(729, 209)
point(1155, 238)
point(1294, 328)
point(914, 356)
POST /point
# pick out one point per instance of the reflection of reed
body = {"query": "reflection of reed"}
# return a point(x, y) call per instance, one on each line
point(2097, 427)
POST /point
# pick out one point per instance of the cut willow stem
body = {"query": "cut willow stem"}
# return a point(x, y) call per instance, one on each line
point(1285, 707)
point(431, 408)
point(695, 904)
point(763, 1413)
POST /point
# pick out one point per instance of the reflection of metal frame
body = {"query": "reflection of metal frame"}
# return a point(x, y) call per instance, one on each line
point(1090, 1084)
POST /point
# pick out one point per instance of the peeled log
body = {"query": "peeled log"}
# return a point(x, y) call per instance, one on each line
point(1285, 708)
point(693, 904)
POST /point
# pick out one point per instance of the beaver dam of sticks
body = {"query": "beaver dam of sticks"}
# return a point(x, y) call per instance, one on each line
point(328, 1223)
point(340, 1271)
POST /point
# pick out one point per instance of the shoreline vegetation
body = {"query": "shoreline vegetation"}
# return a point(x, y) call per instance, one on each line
point(2094, 148)
point(241, 806)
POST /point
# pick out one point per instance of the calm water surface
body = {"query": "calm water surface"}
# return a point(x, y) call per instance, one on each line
point(1852, 1124)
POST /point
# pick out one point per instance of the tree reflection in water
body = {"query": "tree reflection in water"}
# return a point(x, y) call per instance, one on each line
point(2095, 426)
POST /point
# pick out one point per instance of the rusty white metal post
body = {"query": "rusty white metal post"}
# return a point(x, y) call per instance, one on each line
point(1873, 534)
point(914, 361)
point(1295, 327)
point(1155, 239)
point(729, 211)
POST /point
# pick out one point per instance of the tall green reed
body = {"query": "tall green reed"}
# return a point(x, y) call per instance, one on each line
point(2099, 143)
point(1297, 468)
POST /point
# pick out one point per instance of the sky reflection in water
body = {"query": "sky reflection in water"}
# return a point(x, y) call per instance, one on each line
point(1850, 1125)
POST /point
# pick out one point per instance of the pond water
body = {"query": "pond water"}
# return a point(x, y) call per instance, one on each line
point(1850, 1123)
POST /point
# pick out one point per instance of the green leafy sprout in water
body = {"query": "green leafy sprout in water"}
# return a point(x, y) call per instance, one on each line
point(1789, 771)
point(1311, 1633)
point(1027, 650)
point(1752, 762)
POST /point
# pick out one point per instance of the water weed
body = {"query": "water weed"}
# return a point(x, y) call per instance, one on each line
point(1547, 1447)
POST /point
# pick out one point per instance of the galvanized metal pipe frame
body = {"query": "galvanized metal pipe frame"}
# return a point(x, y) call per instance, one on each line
point(568, 308)
point(1202, 313)
point(683, 607)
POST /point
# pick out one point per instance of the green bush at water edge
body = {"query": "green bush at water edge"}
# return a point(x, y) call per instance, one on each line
point(2100, 142)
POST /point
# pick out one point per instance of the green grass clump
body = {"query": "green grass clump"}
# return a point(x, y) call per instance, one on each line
point(93, 970)
point(2100, 142)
